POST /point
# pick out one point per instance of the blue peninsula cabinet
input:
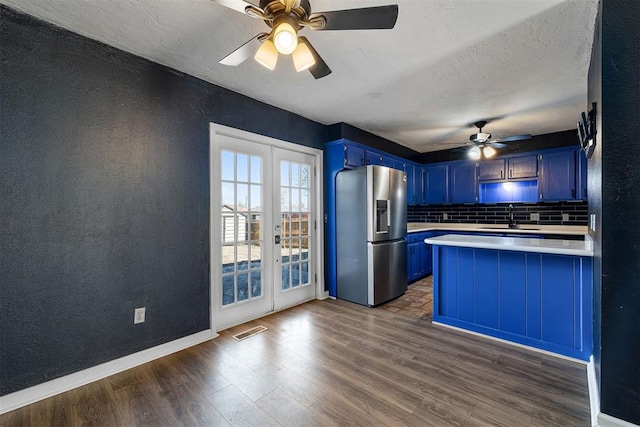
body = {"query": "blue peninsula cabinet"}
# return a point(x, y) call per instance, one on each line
point(533, 292)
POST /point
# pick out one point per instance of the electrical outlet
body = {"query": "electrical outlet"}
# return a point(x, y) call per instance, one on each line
point(565, 217)
point(445, 216)
point(138, 316)
point(535, 217)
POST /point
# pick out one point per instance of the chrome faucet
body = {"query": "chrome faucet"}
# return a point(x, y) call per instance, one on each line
point(512, 217)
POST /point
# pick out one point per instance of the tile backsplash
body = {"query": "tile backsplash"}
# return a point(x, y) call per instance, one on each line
point(549, 213)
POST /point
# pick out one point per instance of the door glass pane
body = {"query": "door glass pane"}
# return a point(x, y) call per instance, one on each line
point(228, 290)
point(256, 284)
point(243, 286)
point(256, 170)
point(242, 227)
point(242, 171)
point(284, 173)
point(228, 165)
point(285, 277)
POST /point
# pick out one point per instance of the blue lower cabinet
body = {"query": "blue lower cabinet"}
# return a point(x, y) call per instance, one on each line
point(539, 300)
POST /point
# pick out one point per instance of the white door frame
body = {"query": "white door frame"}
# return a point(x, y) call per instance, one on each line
point(214, 229)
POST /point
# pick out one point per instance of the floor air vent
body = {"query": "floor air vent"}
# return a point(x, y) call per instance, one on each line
point(249, 333)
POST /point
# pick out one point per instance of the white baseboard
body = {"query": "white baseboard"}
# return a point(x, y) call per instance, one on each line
point(605, 420)
point(42, 391)
point(594, 393)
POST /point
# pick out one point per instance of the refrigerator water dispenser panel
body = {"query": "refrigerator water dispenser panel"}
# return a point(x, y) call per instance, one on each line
point(383, 217)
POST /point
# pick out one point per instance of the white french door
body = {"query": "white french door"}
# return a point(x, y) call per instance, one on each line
point(264, 246)
point(295, 223)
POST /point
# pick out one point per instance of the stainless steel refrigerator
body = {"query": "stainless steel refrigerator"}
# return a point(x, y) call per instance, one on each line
point(371, 228)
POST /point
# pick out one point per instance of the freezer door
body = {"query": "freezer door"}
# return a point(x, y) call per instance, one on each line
point(378, 204)
point(398, 206)
point(387, 271)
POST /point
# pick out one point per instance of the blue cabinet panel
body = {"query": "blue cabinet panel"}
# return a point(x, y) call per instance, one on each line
point(485, 274)
point(447, 266)
point(512, 298)
point(413, 261)
point(557, 299)
point(558, 176)
point(522, 167)
point(533, 296)
point(436, 188)
point(465, 286)
point(463, 186)
point(490, 170)
point(353, 156)
point(378, 158)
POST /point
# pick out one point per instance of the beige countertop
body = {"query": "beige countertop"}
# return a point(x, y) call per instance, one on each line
point(577, 230)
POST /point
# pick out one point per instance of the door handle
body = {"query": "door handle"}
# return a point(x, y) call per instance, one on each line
point(276, 239)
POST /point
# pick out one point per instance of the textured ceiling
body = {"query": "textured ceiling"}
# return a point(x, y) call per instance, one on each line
point(446, 64)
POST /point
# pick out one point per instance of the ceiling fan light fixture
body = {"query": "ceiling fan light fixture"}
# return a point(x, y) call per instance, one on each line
point(285, 38)
point(303, 58)
point(489, 152)
point(474, 152)
point(267, 55)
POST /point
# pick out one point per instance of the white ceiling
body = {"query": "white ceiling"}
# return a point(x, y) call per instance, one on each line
point(446, 64)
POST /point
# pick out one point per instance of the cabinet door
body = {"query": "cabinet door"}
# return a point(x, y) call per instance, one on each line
point(353, 156)
point(373, 158)
point(558, 176)
point(413, 261)
point(410, 170)
point(435, 184)
point(376, 158)
point(424, 251)
point(463, 185)
point(491, 170)
point(522, 167)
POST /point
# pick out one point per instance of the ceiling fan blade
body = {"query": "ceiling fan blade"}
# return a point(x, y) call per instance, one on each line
point(237, 5)
point(244, 52)
point(496, 144)
point(368, 18)
point(515, 138)
point(320, 69)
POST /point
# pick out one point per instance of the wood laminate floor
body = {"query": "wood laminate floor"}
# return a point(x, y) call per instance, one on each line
point(330, 363)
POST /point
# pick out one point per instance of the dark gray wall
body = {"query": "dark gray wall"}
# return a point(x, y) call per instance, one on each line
point(104, 190)
point(617, 168)
point(594, 186)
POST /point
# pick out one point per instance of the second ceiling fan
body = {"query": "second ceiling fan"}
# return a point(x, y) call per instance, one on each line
point(287, 17)
point(483, 145)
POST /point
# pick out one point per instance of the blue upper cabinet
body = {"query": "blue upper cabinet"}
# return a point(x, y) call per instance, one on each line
point(491, 170)
point(353, 156)
point(557, 179)
point(463, 184)
point(414, 187)
point(522, 167)
point(377, 158)
point(436, 183)
point(517, 167)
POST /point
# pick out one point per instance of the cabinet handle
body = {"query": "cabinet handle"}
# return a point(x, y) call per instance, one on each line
point(541, 197)
point(510, 173)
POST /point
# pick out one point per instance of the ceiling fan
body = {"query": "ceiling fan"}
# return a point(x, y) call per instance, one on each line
point(482, 144)
point(287, 17)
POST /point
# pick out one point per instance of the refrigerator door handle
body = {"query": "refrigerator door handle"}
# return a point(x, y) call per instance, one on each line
point(388, 214)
